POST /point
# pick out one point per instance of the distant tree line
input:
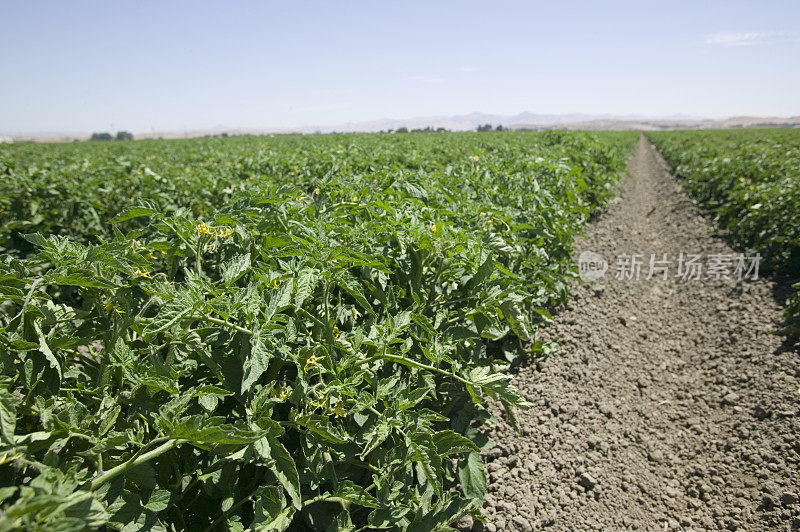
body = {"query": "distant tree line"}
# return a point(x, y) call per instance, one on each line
point(429, 129)
point(121, 135)
point(488, 127)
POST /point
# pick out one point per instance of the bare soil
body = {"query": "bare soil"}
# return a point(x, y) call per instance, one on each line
point(671, 405)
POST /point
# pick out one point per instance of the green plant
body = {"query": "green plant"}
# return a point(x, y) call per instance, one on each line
point(290, 332)
point(750, 180)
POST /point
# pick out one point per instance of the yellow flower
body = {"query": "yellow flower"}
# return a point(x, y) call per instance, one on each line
point(321, 402)
point(338, 411)
point(140, 273)
point(224, 231)
point(108, 306)
point(316, 191)
point(299, 198)
point(283, 394)
point(311, 363)
point(5, 458)
point(474, 158)
point(336, 332)
point(433, 228)
point(203, 229)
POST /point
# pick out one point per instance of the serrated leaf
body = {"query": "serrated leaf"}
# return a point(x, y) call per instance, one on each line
point(235, 268)
point(256, 363)
point(84, 279)
point(472, 477)
point(283, 467)
point(349, 491)
point(172, 311)
point(375, 435)
point(8, 416)
point(202, 430)
point(448, 442)
point(304, 285)
point(133, 212)
point(320, 426)
point(426, 457)
point(45, 349)
point(270, 512)
point(157, 500)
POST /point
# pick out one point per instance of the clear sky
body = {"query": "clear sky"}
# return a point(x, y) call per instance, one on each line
point(168, 65)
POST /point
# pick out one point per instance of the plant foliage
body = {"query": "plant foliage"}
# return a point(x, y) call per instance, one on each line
point(750, 180)
point(277, 333)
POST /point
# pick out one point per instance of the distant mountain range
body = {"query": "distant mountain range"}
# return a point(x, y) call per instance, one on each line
point(469, 122)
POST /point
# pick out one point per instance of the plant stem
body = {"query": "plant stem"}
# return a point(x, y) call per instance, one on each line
point(414, 363)
point(137, 459)
point(328, 330)
point(198, 256)
point(326, 497)
point(227, 324)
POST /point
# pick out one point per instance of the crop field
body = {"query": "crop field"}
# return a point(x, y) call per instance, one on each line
point(280, 333)
point(750, 181)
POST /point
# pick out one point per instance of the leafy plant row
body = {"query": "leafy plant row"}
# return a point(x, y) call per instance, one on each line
point(276, 333)
point(750, 180)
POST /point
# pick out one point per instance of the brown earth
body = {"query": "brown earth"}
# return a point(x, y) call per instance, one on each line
point(671, 405)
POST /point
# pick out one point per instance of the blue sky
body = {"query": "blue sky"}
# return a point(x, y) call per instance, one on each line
point(165, 66)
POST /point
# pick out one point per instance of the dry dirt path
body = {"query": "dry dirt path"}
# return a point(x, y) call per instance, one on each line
point(670, 404)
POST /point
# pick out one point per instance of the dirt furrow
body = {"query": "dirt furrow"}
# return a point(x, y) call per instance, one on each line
point(670, 404)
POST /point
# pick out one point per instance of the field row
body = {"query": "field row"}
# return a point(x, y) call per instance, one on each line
point(258, 333)
point(750, 181)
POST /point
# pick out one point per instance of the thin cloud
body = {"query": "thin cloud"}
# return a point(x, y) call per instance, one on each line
point(468, 69)
point(749, 38)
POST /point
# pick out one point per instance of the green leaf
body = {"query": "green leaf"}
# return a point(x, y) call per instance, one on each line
point(157, 500)
point(434, 520)
point(8, 416)
point(172, 311)
point(270, 512)
point(448, 442)
point(235, 268)
point(256, 363)
point(515, 319)
point(83, 278)
point(349, 491)
point(342, 523)
point(375, 435)
point(351, 287)
point(426, 457)
point(320, 426)
point(202, 430)
point(133, 212)
point(284, 468)
point(43, 347)
point(498, 384)
point(305, 283)
point(484, 271)
point(472, 477)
